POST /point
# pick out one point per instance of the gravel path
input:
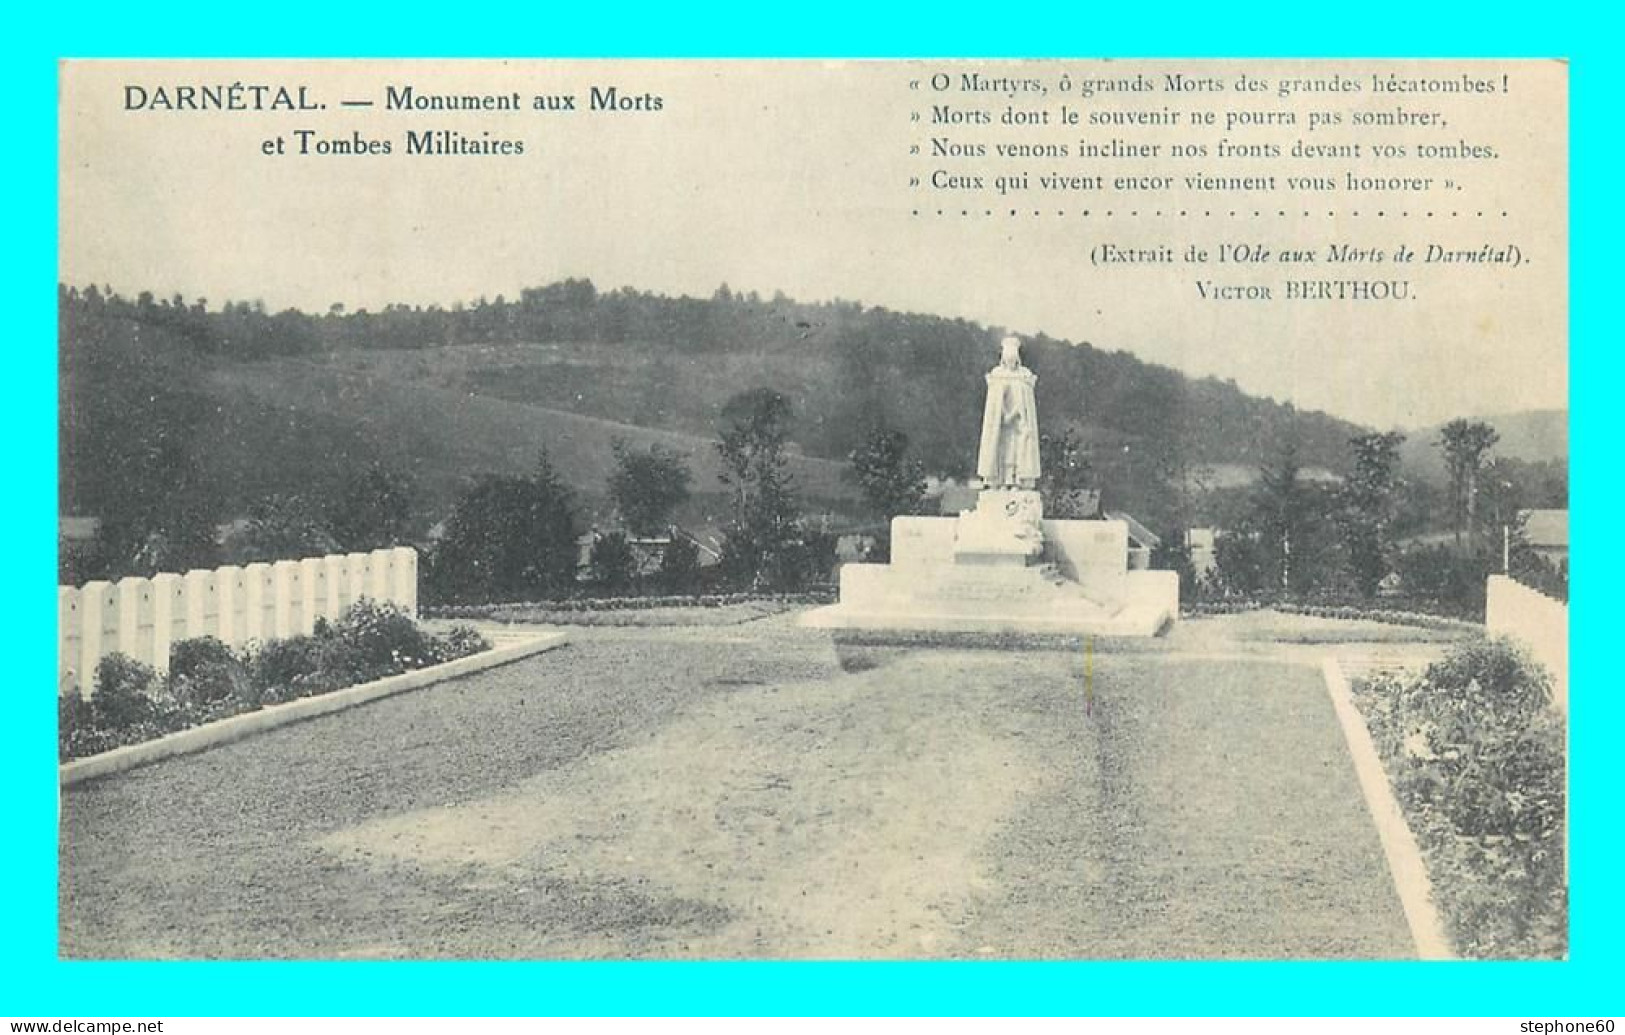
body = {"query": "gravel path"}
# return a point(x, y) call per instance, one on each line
point(751, 792)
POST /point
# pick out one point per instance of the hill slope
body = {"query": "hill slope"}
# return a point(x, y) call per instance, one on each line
point(1534, 436)
point(443, 437)
point(247, 403)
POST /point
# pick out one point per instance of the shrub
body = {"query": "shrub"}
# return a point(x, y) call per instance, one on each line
point(680, 562)
point(506, 539)
point(806, 557)
point(288, 668)
point(613, 564)
point(208, 681)
point(123, 691)
point(383, 638)
point(1173, 555)
point(75, 725)
point(1477, 758)
point(1449, 576)
point(1494, 674)
point(205, 670)
point(458, 642)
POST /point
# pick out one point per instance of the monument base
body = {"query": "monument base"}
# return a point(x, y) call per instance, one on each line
point(1077, 581)
point(1006, 529)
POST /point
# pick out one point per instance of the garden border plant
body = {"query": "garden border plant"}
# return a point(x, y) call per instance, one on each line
point(1348, 611)
point(208, 681)
point(498, 611)
point(1476, 756)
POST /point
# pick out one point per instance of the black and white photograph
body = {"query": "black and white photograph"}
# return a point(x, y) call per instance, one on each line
point(1064, 509)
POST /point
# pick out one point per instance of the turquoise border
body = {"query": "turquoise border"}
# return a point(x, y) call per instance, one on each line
point(32, 982)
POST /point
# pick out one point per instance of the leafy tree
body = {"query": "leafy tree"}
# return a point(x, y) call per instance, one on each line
point(1368, 506)
point(892, 484)
point(1066, 477)
point(1453, 579)
point(612, 562)
point(763, 536)
point(1283, 514)
point(507, 538)
point(1172, 553)
point(648, 485)
point(680, 562)
point(175, 536)
point(1530, 568)
point(1502, 490)
point(132, 416)
point(1241, 566)
point(281, 527)
point(1291, 519)
point(373, 511)
point(1465, 444)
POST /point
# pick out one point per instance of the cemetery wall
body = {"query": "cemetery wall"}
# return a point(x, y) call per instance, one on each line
point(1537, 621)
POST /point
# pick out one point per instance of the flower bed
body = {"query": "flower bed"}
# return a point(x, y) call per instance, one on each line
point(1476, 757)
point(207, 680)
point(1362, 612)
point(563, 609)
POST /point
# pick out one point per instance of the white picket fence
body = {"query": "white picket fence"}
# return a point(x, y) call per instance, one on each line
point(142, 617)
point(1535, 620)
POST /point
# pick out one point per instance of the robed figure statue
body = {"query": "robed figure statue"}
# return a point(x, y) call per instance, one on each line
point(1008, 458)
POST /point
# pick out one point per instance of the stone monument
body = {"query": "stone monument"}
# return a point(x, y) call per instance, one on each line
point(1001, 567)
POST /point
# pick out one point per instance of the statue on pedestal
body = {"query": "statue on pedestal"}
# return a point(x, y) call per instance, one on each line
point(1008, 458)
point(1007, 525)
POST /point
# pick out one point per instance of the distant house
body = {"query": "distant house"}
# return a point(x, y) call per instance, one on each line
point(648, 552)
point(1547, 533)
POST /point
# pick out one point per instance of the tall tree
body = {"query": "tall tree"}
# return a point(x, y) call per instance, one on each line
point(281, 527)
point(1368, 506)
point(1066, 477)
point(133, 420)
point(892, 483)
point(763, 533)
point(372, 511)
point(1283, 508)
point(1465, 444)
point(648, 485)
point(507, 539)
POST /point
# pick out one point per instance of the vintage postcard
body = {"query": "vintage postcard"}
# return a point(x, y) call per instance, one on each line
point(928, 509)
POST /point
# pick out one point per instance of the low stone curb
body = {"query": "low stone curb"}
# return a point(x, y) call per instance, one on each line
point(198, 738)
point(1399, 845)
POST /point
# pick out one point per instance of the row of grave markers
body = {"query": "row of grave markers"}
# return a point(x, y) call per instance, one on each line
point(144, 617)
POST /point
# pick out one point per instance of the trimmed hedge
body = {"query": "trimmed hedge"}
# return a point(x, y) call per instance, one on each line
point(208, 680)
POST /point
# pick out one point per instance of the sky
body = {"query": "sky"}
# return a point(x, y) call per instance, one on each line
point(796, 177)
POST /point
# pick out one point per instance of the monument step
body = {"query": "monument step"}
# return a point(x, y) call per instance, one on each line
point(1136, 620)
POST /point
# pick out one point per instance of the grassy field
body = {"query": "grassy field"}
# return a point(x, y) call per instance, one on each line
point(669, 388)
point(748, 792)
